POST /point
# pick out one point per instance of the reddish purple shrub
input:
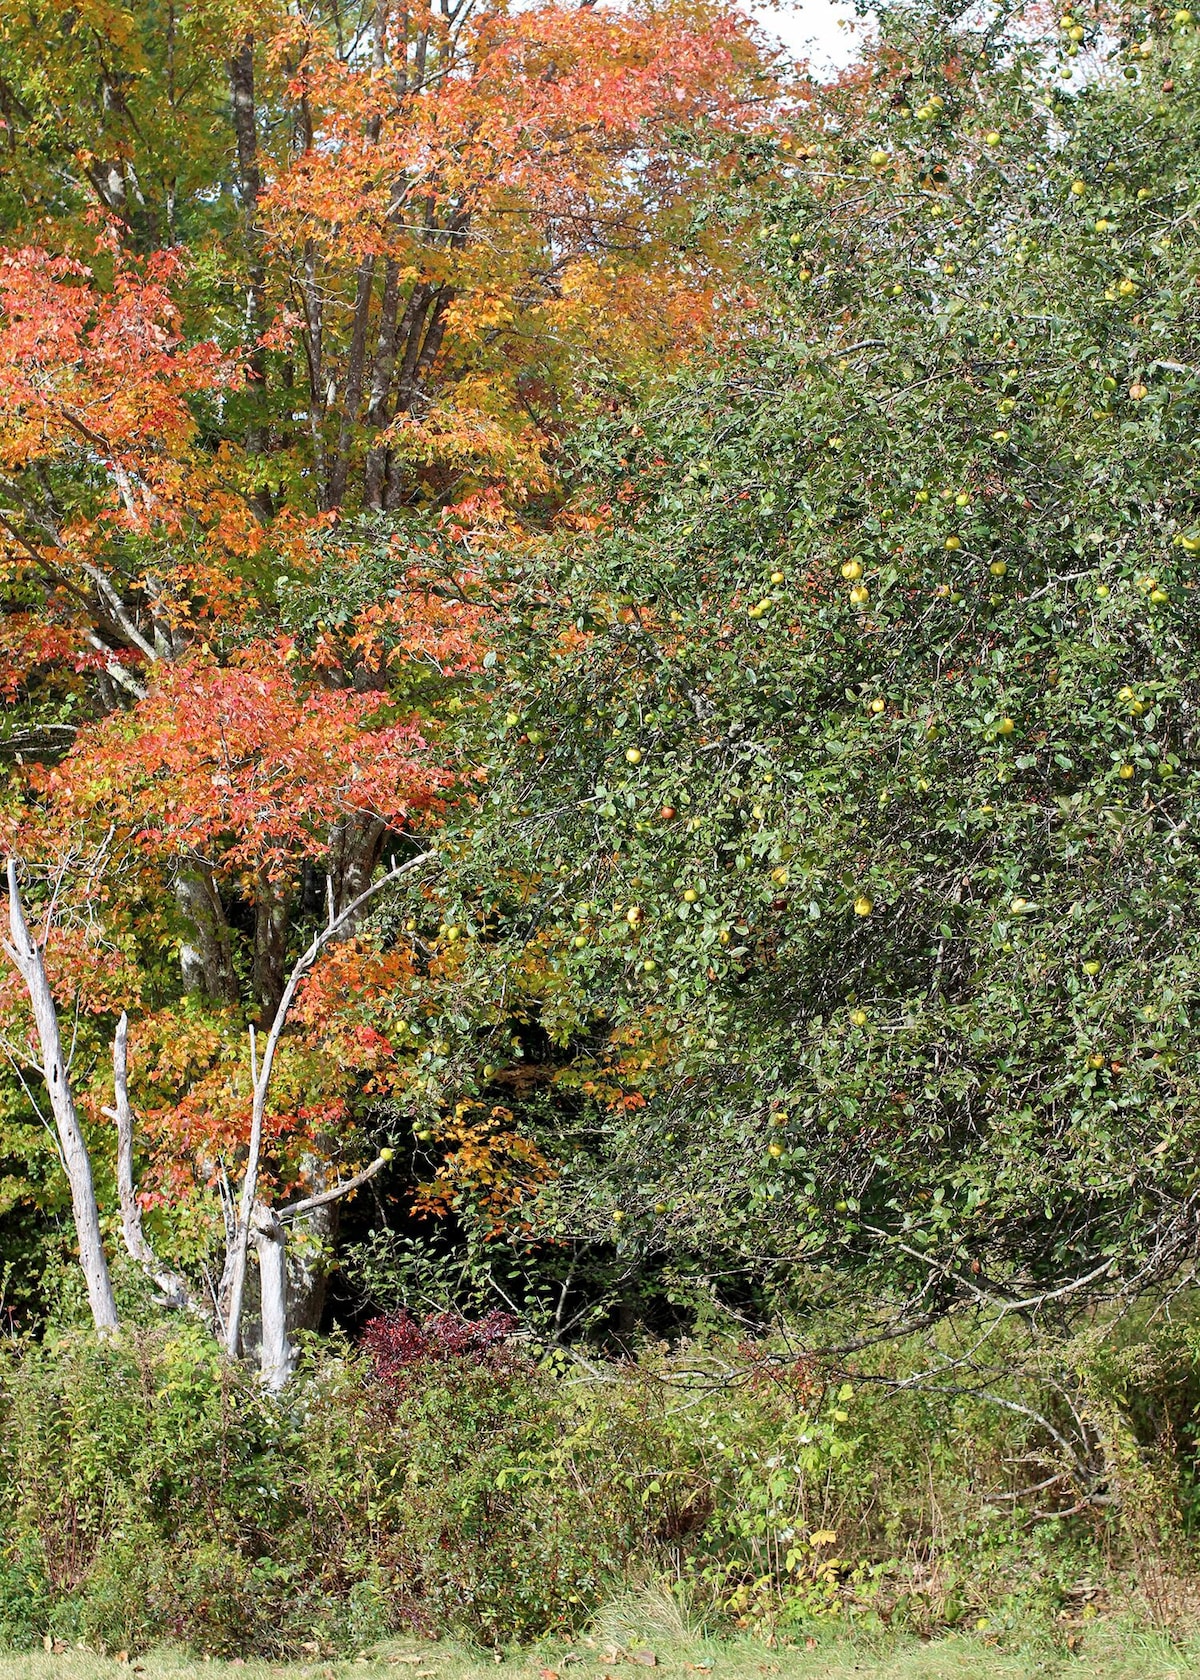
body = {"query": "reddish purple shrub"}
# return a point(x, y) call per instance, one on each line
point(397, 1344)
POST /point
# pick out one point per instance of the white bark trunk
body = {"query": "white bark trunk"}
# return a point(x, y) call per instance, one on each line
point(173, 1287)
point(236, 1266)
point(277, 1354)
point(26, 957)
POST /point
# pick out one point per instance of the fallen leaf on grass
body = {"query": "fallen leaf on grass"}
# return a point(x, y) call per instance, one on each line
point(647, 1659)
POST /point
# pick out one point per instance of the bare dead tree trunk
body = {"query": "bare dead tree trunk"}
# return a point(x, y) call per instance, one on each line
point(280, 1317)
point(26, 957)
point(174, 1289)
point(277, 1352)
point(236, 1264)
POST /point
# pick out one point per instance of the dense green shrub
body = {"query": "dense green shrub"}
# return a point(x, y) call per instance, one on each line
point(150, 1491)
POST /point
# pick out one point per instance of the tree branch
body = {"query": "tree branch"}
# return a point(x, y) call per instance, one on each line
point(262, 1084)
point(295, 1209)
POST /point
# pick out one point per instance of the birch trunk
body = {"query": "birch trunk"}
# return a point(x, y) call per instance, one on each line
point(174, 1289)
point(26, 957)
point(277, 1353)
point(235, 1276)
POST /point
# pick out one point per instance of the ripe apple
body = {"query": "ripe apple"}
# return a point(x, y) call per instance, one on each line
point(1092, 967)
point(690, 896)
point(863, 906)
point(878, 705)
point(860, 595)
point(991, 138)
point(660, 1207)
point(858, 1017)
point(1126, 772)
point(579, 941)
point(1096, 1060)
point(852, 570)
point(667, 814)
point(953, 543)
point(633, 915)
point(633, 755)
point(777, 577)
point(1005, 726)
point(387, 1154)
point(998, 568)
point(775, 1150)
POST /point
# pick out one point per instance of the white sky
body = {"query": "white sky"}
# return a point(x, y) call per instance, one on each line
point(813, 29)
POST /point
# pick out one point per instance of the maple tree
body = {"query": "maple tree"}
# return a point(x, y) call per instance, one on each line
point(369, 290)
point(437, 217)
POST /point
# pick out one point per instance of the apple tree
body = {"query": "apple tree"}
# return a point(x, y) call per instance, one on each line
point(847, 739)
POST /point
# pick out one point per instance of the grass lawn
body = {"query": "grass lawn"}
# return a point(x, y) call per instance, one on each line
point(1100, 1651)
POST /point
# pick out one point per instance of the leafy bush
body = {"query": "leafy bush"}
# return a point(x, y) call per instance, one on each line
point(395, 1342)
point(149, 1491)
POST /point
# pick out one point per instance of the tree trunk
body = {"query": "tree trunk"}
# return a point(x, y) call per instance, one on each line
point(270, 948)
point(205, 957)
point(26, 957)
point(354, 852)
point(174, 1289)
point(339, 467)
point(245, 127)
point(233, 1283)
point(308, 1257)
point(277, 1352)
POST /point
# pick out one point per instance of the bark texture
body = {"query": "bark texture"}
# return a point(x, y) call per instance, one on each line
point(25, 955)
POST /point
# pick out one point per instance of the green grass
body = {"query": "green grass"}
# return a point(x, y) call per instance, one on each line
point(1101, 1651)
